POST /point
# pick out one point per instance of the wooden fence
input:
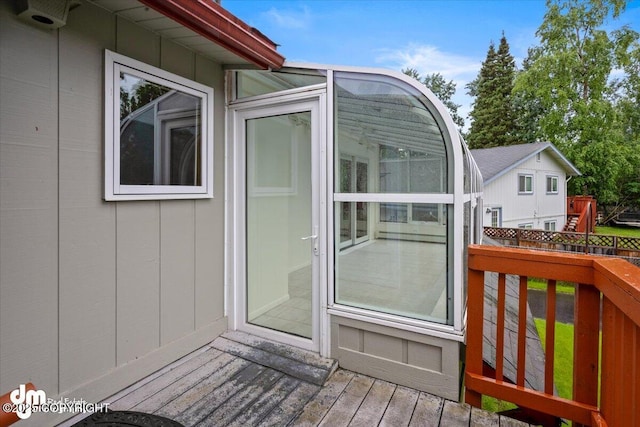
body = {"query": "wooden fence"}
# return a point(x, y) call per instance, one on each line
point(599, 244)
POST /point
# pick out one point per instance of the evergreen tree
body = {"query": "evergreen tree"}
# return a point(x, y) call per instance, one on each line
point(493, 120)
point(442, 89)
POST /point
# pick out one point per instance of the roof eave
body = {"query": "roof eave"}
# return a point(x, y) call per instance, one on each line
point(213, 22)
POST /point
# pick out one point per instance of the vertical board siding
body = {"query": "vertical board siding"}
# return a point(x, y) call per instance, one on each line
point(177, 278)
point(108, 283)
point(177, 233)
point(138, 280)
point(28, 204)
point(209, 213)
point(87, 224)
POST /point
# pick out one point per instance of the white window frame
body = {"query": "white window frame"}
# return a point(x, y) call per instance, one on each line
point(496, 213)
point(527, 177)
point(526, 226)
point(550, 225)
point(113, 189)
point(550, 188)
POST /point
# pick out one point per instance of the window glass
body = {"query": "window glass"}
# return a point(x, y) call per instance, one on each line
point(392, 254)
point(495, 217)
point(259, 82)
point(525, 183)
point(552, 184)
point(390, 124)
point(158, 133)
point(397, 273)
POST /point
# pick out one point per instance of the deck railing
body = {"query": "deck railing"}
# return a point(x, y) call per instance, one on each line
point(615, 283)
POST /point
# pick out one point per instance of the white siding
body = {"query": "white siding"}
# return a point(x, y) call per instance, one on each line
point(94, 295)
point(536, 208)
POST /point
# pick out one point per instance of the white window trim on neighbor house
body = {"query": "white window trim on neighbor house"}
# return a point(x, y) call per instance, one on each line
point(552, 184)
point(550, 225)
point(525, 183)
point(114, 189)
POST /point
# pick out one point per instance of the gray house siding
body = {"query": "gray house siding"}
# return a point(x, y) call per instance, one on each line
point(94, 295)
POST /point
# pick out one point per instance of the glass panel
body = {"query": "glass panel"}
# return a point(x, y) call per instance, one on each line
point(394, 212)
point(346, 180)
point(278, 217)
point(362, 224)
point(424, 212)
point(387, 121)
point(160, 141)
point(398, 273)
point(257, 82)
point(362, 215)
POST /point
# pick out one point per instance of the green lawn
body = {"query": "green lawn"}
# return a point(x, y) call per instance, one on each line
point(563, 365)
point(618, 231)
point(540, 284)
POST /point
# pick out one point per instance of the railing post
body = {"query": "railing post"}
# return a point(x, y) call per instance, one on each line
point(475, 323)
point(586, 344)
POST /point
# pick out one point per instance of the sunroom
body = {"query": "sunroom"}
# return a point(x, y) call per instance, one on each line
point(351, 200)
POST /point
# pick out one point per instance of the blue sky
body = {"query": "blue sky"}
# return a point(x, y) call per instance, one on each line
point(449, 37)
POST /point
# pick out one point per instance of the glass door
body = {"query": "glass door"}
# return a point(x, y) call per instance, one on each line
point(354, 216)
point(281, 258)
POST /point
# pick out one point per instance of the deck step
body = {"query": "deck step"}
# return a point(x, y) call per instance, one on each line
point(301, 364)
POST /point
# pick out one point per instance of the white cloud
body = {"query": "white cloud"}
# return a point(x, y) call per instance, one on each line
point(428, 59)
point(290, 19)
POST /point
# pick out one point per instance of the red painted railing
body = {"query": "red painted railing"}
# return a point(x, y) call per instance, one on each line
point(585, 207)
point(615, 282)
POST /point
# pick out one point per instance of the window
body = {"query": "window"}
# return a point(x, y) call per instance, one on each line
point(525, 184)
point(496, 217)
point(410, 171)
point(527, 226)
point(158, 133)
point(404, 269)
point(552, 185)
point(550, 226)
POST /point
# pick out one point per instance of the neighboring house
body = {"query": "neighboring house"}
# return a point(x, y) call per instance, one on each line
point(165, 177)
point(525, 186)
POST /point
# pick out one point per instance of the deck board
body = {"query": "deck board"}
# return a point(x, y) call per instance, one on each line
point(313, 413)
point(374, 405)
point(428, 411)
point(349, 402)
point(400, 407)
point(213, 387)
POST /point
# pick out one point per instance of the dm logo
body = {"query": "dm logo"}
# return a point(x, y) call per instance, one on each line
point(25, 400)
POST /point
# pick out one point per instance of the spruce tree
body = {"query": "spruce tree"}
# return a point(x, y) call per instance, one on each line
point(493, 120)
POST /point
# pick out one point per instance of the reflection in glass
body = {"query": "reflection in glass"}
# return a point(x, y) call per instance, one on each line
point(354, 217)
point(279, 274)
point(160, 141)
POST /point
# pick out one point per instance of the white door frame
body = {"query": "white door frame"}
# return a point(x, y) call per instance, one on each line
point(291, 101)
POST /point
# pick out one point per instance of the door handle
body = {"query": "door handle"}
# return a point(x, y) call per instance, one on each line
point(314, 237)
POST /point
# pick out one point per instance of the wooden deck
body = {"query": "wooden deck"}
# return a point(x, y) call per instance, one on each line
point(241, 380)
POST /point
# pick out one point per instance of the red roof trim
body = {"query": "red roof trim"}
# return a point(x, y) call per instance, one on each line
point(213, 22)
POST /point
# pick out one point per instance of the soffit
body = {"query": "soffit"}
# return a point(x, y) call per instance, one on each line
point(245, 46)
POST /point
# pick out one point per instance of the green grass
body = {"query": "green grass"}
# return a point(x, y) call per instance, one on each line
point(563, 365)
point(541, 285)
point(618, 231)
point(563, 360)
